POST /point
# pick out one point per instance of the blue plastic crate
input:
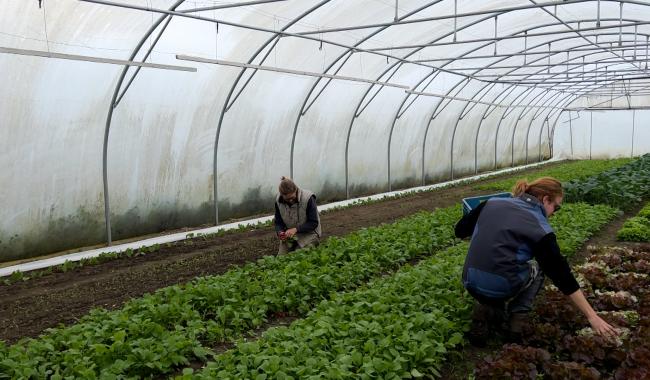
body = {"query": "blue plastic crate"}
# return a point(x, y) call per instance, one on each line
point(470, 203)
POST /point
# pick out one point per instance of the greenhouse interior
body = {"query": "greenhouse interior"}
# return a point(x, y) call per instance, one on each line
point(293, 189)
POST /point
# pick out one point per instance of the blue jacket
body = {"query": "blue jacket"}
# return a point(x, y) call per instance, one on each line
point(497, 261)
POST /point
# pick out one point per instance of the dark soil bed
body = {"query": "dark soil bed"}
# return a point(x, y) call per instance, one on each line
point(27, 308)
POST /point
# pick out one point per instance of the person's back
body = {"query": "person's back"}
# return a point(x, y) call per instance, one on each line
point(501, 246)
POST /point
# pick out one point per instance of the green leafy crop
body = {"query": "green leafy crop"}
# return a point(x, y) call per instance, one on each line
point(154, 334)
point(572, 170)
point(636, 228)
point(621, 187)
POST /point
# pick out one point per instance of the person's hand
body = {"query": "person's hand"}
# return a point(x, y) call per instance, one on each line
point(291, 232)
point(603, 328)
point(282, 235)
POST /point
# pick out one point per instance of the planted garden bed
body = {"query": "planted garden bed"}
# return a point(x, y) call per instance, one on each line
point(560, 345)
point(636, 228)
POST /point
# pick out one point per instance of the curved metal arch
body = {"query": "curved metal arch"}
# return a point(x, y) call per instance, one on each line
point(349, 132)
point(535, 101)
point(467, 111)
point(416, 96)
point(463, 113)
point(392, 127)
point(232, 89)
point(510, 89)
point(550, 77)
point(513, 86)
point(561, 73)
point(445, 102)
point(109, 118)
point(309, 93)
point(426, 130)
point(352, 121)
point(532, 120)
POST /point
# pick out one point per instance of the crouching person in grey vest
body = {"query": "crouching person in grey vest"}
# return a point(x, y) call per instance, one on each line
point(297, 222)
point(512, 249)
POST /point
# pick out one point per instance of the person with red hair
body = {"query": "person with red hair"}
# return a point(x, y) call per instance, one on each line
point(511, 250)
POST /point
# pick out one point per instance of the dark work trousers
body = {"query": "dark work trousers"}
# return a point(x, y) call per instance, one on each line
point(522, 302)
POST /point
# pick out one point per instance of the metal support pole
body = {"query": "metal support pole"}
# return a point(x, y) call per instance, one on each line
point(620, 30)
point(571, 134)
point(455, 18)
point(525, 46)
point(598, 15)
point(591, 132)
point(633, 118)
point(495, 34)
point(396, 5)
point(635, 37)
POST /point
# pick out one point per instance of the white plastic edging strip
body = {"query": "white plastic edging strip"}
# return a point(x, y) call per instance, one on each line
point(45, 263)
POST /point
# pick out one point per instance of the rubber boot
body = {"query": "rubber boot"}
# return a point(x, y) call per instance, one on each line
point(518, 322)
point(478, 332)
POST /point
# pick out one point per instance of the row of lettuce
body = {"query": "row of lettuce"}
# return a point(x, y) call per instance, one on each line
point(637, 228)
point(164, 331)
point(154, 334)
point(161, 332)
point(398, 327)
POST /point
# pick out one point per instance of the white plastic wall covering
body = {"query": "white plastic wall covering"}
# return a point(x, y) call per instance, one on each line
point(485, 115)
point(347, 161)
point(464, 113)
point(515, 102)
point(428, 126)
point(533, 119)
point(51, 118)
point(524, 139)
point(466, 119)
point(113, 103)
point(604, 134)
point(58, 260)
point(392, 126)
point(400, 111)
point(164, 128)
point(314, 86)
point(226, 106)
point(160, 31)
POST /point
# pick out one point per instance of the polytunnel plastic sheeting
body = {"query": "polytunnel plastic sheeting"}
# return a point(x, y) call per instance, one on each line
point(172, 132)
point(52, 115)
point(602, 134)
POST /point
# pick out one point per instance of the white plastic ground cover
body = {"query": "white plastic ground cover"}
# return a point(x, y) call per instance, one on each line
point(53, 261)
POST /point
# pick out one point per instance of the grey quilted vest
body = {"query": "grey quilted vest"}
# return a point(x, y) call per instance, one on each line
point(296, 214)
